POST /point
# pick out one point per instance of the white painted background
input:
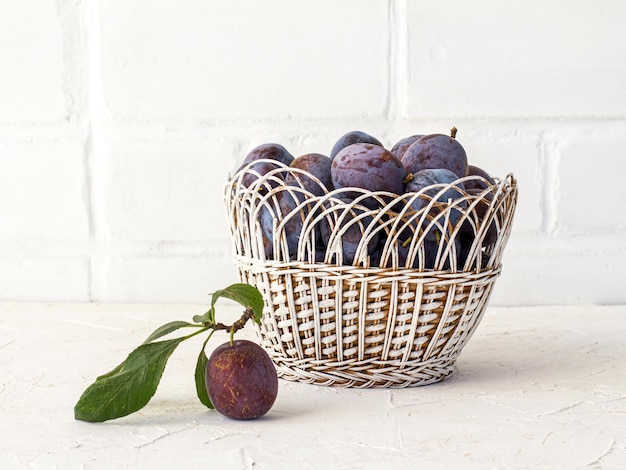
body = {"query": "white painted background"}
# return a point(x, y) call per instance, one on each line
point(119, 121)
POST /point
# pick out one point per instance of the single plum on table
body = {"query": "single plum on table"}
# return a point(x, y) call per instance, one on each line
point(241, 380)
point(353, 137)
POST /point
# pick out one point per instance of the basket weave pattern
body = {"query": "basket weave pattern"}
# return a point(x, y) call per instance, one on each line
point(360, 324)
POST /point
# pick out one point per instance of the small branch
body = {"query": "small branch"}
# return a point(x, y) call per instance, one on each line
point(248, 313)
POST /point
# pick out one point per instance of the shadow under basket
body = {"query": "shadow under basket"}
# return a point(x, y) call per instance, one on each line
point(390, 312)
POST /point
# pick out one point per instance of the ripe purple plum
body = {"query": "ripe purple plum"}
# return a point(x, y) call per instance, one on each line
point(369, 167)
point(478, 187)
point(352, 221)
point(439, 176)
point(469, 230)
point(317, 165)
point(286, 209)
point(267, 151)
point(474, 183)
point(266, 219)
point(436, 151)
point(353, 137)
point(437, 258)
point(241, 380)
point(435, 176)
point(429, 258)
point(403, 144)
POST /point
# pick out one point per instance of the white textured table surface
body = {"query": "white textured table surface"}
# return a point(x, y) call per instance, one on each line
point(535, 388)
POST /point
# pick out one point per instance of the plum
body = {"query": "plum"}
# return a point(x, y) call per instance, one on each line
point(443, 261)
point(317, 165)
point(436, 151)
point(369, 167)
point(435, 176)
point(266, 222)
point(440, 176)
point(267, 151)
point(352, 220)
point(403, 144)
point(475, 183)
point(478, 187)
point(352, 137)
point(429, 258)
point(241, 380)
point(286, 209)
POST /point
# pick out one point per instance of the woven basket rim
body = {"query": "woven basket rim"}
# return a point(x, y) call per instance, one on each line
point(384, 224)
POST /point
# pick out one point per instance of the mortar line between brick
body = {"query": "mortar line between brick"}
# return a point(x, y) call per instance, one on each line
point(549, 161)
point(93, 148)
point(553, 187)
point(390, 60)
point(397, 59)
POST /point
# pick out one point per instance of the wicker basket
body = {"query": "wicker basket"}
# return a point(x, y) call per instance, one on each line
point(366, 319)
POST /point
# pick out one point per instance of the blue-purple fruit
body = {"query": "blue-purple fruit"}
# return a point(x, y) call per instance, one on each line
point(241, 380)
point(403, 144)
point(353, 137)
point(440, 176)
point(368, 166)
point(436, 151)
point(316, 165)
point(475, 183)
point(352, 222)
point(478, 188)
point(295, 209)
point(268, 151)
point(289, 208)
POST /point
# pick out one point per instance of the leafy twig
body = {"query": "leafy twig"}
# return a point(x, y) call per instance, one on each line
point(130, 386)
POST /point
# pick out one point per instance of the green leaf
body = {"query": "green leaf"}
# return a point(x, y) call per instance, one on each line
point(245, 294)
point(113, 372)
point(207, 317)
point(128, 387)
point(159, 332)
point(201, 390)
point(167, 329)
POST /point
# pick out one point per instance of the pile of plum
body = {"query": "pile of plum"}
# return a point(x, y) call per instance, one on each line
point(419, 205)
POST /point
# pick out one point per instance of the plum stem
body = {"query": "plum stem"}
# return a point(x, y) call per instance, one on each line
point(248, 313)
point(453, 132)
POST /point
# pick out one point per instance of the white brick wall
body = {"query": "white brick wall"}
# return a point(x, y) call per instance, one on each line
point(31, 49)
point(119, 121)
point(243, 59)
